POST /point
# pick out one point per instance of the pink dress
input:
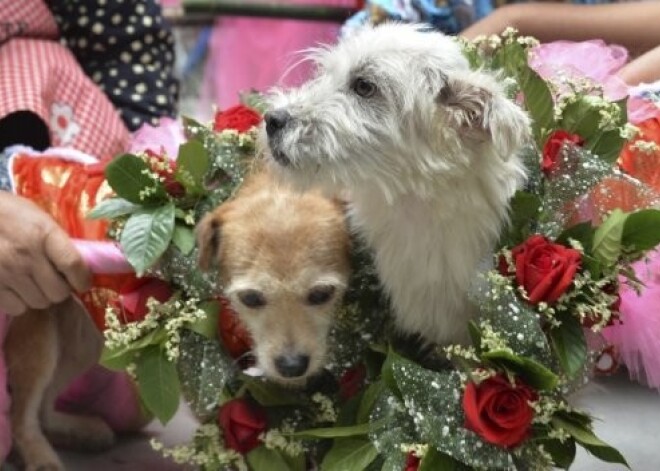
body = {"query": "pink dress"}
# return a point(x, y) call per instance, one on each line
point(259, 53)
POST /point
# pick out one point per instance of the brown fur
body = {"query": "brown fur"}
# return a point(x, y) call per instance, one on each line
point(283, 244)
point(45, 351)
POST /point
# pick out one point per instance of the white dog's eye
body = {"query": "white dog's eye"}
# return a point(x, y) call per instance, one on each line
point(364, 87)
point(320, 295)
point(252, 298)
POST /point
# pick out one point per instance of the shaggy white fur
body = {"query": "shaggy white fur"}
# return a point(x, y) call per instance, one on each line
point(428, 152)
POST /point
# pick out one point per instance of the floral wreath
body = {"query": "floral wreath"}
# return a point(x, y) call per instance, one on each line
point(383, 402)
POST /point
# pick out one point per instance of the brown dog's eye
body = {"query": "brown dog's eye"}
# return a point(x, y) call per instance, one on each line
point(252, 298)
point(320, 295)
point(364, 88)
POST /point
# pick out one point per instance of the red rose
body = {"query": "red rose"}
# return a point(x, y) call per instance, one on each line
point(239, 118)
point(352, 381)
point(546, 270)
point(412, 462)
point(498, 411)
point(242, 422)
point(553, 147)
point(165, 168)
point(133, 297)
point(233, 334)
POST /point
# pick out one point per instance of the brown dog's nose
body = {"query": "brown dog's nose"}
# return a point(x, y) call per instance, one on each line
point(292, 366)
point(276, 120)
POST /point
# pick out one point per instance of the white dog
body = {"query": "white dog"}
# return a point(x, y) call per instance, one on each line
point(428, 152)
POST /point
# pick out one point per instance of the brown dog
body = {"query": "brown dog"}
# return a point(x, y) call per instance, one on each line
point(284, 263)
point(45, 350)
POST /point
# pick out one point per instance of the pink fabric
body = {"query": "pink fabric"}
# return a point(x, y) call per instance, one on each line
point(592, 59)
point(597, 61)
point(256, 53)
point(106, 394)
point(164, 138)
point(103, 257)
point(637, 338)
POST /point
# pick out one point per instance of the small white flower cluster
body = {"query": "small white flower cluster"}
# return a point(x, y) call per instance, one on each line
point(276, 439)
point(205, 451)
point(629, 131)
point(326, 409)
point(149, 190)
point(467, 353)
point(172, 315)
point(417, 449)
point(646, 147)
point(546, 407)
point(491, 339)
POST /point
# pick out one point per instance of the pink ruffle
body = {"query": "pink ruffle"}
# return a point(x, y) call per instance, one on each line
point(637, 338)
point(164, 138)
point(591, 59)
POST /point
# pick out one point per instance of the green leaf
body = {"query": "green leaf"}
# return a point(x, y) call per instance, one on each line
point(538, 102)
point(563, 454)
point(387, 374)
point(569, 344)
point(184, 238)
point(524, 209)
point(158, 383)
point(111, 360)
point(371, 394)
point(114, 357)
point(112, 208)
point(583, 233)
point(262, 458)
point(334, 432)
point(191, 167)
point(435, 461)
point(590, 442)
point(531, 372)
point(581, 118)
point(146, 235)
point(128, 176)
point(349, 454)
point(607, 238)
point(608, 145)
point(269, 394)
point(641, 230)
point(475, 336)
point(208, 327)
point(348, 411)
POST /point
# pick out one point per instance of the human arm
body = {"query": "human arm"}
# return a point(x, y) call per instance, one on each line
point(39, 266)
point(632, 25)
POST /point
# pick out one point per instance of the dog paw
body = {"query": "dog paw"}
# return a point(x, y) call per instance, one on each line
point(86, 434)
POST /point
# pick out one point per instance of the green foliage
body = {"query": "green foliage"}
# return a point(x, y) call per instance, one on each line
point(113, 208)
point(607, 238)
point(158, 383)
point(532, 372)
point(594, 445)
point(208, 326)
point(435, 461)
point(334, 432)
point(569, 344)
point(192, 166)
point(183, 238)
point(270, 394)
point(563, 454)
point(146, 236)
point(128, 176)
point(263, 458)
point(538, 102)
point(349, 454)
point(523, 212)
point(641, 230)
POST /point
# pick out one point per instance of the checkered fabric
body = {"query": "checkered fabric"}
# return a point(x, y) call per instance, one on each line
point(42, 76)
point(26, 18)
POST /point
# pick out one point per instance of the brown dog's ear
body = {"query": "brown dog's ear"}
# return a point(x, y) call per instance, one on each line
point(208, 233)
point(475, 105)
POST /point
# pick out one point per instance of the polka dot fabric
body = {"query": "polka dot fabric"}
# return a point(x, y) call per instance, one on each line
point(127, 50)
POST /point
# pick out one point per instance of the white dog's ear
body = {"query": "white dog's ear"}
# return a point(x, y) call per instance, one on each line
point(476, 106)
point(208, 233)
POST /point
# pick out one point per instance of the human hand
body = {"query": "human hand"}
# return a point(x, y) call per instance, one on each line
point(39, 265)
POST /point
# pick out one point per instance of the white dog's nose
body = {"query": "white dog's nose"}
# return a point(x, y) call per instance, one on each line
point(276, 120)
